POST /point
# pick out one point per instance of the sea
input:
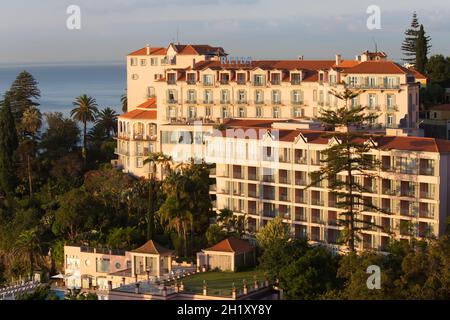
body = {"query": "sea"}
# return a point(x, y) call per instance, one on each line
point(61, 84)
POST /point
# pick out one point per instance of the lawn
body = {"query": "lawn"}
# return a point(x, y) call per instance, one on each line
point(221, 283)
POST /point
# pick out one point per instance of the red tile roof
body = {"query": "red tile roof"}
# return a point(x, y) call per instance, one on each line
point(153, 52)
point(152, 247)
point(417, 74)
point(322, 137)
point(139, 114)
point(149, 104)
point(441, 107)
point(232, 244)
point(378, 67)
point(197, 49)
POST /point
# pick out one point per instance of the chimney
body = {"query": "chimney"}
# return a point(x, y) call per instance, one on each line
point(148, 49)
point(300, 57)
point(338, 59)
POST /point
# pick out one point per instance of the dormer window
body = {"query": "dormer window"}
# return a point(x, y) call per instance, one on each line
point(275, 78)
point(321, 77)
point(208, 80)
point(191, 78)
point(259, 80)
point(241, 78)
point(295, 78)
point(171, 78)
point(224, 78)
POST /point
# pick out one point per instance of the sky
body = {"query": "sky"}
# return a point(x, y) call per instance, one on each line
point(35, 32)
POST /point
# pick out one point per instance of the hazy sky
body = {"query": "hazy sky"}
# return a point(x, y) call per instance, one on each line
point(35, 31)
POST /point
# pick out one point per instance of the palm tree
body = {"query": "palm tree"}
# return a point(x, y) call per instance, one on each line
point(28, 247)
point(124, 101)
point(160, 158)
point(85, 111)
point(31, 123)
point(107, 120)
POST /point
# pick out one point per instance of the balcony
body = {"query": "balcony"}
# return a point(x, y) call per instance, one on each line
point(191, 101)
point(283, 197)
point(368, 86)
point(276, 102)
point(301, 160)
point(296, 102)
point(300, 199)
point(300, 182)
point(284, 180)
point(425, 213)
point(258, 84)
point(427, 171)
point(208, 84)
point(259, 102)
point(207, 101)
point(295, 82)
point(317, 202)
point(253, 194)
point(191, 82)
point(172, 101)
point(171, 81)
point(241, 82)
point(252, 177)
point(391, 108)
point(427, 195)
point(268, 178)
point(224, 81)
point(224, 101)
point(242, 101)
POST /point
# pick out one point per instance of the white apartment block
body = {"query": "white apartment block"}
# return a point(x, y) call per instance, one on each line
point(263, 173)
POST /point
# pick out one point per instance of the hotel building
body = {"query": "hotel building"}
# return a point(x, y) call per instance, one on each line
point(179, 95)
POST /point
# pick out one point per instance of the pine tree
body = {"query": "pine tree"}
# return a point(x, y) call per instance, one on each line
point(22, 93)
point(345, 164)
point(409, 44)
point(8, 146)
point(422, 48)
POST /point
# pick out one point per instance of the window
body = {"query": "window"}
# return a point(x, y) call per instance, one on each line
point(191, 112)
point(224, 112)
point(150, 92)
point(208, 111)
point(372, 100)
point(172, 112)
point(276, 96)
point(241, 112)
point(224, 78)
point(390, 120)
point(295, 78)
point(154, 61)
point(224, 95)
point(134, 76)
point(118, 265)
point(276, 112)
point(354, 102)
point(296, 97)
point(275, 78)
point(241, 96)
point(258, 112)
point(171, 78)
point(191, 78)
point(143, 62)
point(372, 82)
point(259, 96)
point(208, 96)
point(133, 62)
point(208, 79)
point(139, 163)
point(297, 112)
point(352, 81)
point(259, 80)
point(314, 95)
point(241, 78)
point(332, 79)
point(172, 96)
point(390, 101)
point(191, 96)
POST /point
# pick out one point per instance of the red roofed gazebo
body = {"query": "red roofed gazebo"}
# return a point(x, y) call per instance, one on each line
point(227, 255)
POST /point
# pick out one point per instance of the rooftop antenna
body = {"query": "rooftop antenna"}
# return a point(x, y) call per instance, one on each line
point(375, 43)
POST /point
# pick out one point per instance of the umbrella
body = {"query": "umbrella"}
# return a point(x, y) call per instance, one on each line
point(59, 276)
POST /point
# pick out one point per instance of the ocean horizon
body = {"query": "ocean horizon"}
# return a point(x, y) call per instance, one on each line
point(61, 83)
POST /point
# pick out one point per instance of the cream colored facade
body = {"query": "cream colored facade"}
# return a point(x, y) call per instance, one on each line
point(195, 83)
point(411, 184)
